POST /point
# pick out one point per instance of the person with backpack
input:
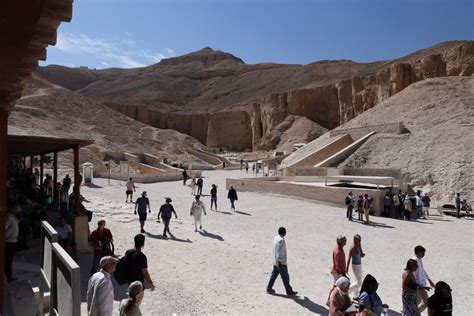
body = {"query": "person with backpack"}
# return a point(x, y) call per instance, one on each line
point(99, 240)
point(166, 210)
point(133, 266)
point(141, 205)
point(349, 201)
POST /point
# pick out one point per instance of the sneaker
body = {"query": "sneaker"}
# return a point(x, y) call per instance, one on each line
point(270, 291)
point(292, 293)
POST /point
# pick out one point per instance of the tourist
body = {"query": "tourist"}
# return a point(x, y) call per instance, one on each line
point(100, 290)
point(65, 239)
point(396, 204)
point(408, 206)
point(197, 208)
point(466, 207)
point(36, 177)
point(63, 201)
point(426, 205)
point(340, 303)
point(441, 302)
point(130, 185)
point(67, 183)
point(48, 189)
point(193, 186)
point(200, 183)
point(185, 176)
point(131, 305)
point(279, 261)
point(421, 276)
point(214, 196)
point(141, 205)
point(246, 167)
point(387, 203)
point(370, 304)
point(232, 196)
point(98, 239)
point(166, 210)
point(419, 205)
point(338, 268)
point(409, 288)
point(360, 209)
point(349, 201)
point(139, 262)
point(356, 254)
point(367, 205)
point(11, 238)
point(457, 203)
point(241, 164)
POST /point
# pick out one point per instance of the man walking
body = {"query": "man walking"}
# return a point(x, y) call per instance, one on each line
point(185, 176)
point(141, 205)
point(232, 196)
point(197, 208)
point(100, 290)
point(200, 182)
point(130, 185)
point(166, 210)
point(421, 277)
point(338, 262)
point(349, 201)
point(139, 264)
point(279, 261)
point(214, 196)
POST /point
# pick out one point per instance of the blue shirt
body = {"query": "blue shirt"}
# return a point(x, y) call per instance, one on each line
point(372, 302)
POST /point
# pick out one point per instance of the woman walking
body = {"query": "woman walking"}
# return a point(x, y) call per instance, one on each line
point(197, 208)
point(214, 196)
point(370, 302)
point(409, 288)
point(356, 254)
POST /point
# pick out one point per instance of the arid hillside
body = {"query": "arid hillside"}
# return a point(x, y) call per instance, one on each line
point(436, 154)
point(200, 93)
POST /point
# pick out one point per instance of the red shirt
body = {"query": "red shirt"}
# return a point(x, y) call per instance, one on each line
point(338, 260)
point(95, 239)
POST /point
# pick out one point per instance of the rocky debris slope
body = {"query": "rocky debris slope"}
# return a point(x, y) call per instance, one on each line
point(198, 93)
point(436, 155)
point(51, 111)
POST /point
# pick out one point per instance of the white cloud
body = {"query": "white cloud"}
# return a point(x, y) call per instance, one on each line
point(119, 54)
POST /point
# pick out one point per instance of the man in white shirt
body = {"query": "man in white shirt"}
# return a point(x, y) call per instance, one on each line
point(197, 208)
point(100, 290)
point(11, 238)
point(421, 277)
point(279, 261)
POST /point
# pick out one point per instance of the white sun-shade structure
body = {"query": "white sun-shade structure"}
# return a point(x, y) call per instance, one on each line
point(88, 172)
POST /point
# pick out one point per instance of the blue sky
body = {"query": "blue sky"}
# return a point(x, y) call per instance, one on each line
point(135, 33)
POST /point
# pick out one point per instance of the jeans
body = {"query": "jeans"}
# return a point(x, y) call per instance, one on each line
point(232, 206)
point(199, 190)
point(285, 277)
point(214, 201)
point(349, 211)
point(166, 221)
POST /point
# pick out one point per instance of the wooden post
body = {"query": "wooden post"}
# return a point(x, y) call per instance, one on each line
point(77, 180)
point(55, 177)
point(41, 174)
point(3, 197)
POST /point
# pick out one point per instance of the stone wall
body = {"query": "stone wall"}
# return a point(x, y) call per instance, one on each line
point(327, 194)
point(340, 156)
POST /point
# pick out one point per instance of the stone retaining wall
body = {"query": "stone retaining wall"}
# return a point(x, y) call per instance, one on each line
point(393, 128)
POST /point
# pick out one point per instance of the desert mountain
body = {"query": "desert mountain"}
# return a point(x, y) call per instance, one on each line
point(223, 102)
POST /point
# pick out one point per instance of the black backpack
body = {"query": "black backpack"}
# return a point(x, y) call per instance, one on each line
point(348, 200)
point(124, 267)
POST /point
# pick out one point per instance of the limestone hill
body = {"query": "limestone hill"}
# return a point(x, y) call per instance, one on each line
point(223, 102)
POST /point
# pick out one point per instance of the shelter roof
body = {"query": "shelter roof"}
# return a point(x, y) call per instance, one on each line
point(25, 145)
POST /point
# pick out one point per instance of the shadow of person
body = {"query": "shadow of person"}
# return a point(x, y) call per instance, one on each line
point(226, 213)
point(205, 233)
point(93, 186)
point(172, 237)
point(306, 303)
point(243, 213)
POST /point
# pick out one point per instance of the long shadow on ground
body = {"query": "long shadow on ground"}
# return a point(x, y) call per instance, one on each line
point(306, 303)
point(172, 237)
point(243, 213)
point(205, 233)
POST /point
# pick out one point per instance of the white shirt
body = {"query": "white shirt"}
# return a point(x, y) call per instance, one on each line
point(419, 202)
point(279, 250)
point(420, 274)
point(198, 207)
point(63, 232)
point(100, 295)
point(11, 228)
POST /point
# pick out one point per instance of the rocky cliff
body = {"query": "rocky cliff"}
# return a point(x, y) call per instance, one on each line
point(223, 102)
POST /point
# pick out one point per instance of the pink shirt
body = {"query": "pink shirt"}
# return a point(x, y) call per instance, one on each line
point(338, 260)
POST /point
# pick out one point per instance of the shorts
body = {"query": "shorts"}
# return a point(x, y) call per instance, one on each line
point(129, 192)
point(142, 216)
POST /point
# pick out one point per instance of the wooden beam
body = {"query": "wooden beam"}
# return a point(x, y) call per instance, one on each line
point(55, 178)
point(3, 197)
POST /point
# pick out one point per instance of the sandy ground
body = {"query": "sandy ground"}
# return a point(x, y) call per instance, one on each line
point(225, 268)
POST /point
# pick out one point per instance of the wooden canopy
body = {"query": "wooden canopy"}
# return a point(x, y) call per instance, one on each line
point(27, 27)
point(23, 145)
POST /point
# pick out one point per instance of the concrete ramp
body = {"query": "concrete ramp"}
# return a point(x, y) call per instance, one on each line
point(316, 151)
point(340, 156)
